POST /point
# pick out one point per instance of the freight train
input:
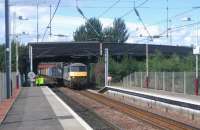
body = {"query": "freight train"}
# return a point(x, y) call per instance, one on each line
point(73, 75)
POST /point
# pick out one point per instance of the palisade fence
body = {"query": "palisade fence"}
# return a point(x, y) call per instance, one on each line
point(3, 84)
point(178, 82)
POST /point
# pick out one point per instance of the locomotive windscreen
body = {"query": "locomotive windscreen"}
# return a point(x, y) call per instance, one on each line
point(78, 68)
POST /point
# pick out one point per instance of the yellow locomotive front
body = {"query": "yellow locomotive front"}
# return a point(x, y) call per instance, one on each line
point(76, 75)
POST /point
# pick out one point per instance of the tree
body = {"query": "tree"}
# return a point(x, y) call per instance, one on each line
point(22, 56)
point(90, 31)
point(2, 57)
point(94, 29)
point(80, 34)
point(108, 34)
point(120, 32)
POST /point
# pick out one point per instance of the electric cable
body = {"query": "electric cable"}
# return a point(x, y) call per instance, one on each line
point(142, 3)
point(138, 15)
point(105, 11)
point(174, 16)
point(82, 14)
point(57, 6)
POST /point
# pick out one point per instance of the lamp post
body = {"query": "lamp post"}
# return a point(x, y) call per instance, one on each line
point(196, 51)
point(106, 66)
point(17, 44)
point(37, 13)
point(147, 66)
point(147, 59)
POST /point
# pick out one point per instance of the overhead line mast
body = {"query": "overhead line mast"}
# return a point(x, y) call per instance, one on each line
point(46, 29)
point(7, 50)
point(167, 20)
point(50, 32)
point(37, 21)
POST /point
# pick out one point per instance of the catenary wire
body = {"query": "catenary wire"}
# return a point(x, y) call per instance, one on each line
point(144, 2)
point(58, 4)
point(109, 8)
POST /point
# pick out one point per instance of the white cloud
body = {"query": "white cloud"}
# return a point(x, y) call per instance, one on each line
point(106, 22)
point(67, 25)
point(29, 11)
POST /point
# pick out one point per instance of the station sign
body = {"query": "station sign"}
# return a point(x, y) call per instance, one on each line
point(31, 76)
point(196, 50)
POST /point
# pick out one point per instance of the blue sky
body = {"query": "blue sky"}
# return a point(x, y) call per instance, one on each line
point(67, 19)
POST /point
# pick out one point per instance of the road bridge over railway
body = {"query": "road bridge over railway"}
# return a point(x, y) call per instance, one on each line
point(89, 52)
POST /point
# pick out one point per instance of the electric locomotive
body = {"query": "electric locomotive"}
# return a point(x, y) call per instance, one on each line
point(75, 75)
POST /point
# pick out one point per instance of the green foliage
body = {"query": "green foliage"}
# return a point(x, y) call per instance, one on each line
point(175, 63)
point(108, 34)
point(120, 32)
point(2, 57)
point(22, 57)
point(80, 34)
point(22, 50)
point(120, 69)
point(157, 63)
point(92, 30)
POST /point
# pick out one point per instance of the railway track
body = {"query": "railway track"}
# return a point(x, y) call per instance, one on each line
point(151, 118)
point(96, 122)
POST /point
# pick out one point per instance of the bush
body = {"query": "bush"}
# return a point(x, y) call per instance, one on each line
point(157, 62)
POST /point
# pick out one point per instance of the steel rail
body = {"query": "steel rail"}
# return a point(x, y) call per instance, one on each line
point(151, 118)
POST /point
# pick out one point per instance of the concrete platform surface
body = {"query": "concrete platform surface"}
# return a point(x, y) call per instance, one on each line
point(164, 94)
point(170, 98)
point(39, 109)
point(6, 104)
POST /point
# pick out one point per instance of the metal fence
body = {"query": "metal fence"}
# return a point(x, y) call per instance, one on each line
point(178, 82)
point(3, 84)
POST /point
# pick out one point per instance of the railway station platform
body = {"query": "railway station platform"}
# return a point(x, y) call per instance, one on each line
point(171, 98)
point(38, 108)
point(179, 107)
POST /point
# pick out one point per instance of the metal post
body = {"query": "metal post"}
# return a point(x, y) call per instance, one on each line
point(155, 80)
point(164, 81)
point(127, 81)
point(184, 82)
point(197, 66)
point(8, 50)
point(167, 8)
point(16, 49)
point(17, 64)
point(31, 61)
point(14, 27)
point(130, 80)
point(50, 33)
point(37, 21)
point(197, 78)
point(123, 82)
point(135, 80)
point(173, 87)
point(101, 49)
point(170, 32)
point(147, 66)
point(141, 80)
point(106, 66)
